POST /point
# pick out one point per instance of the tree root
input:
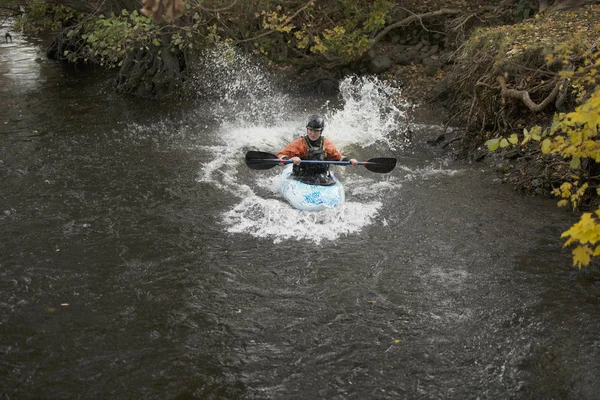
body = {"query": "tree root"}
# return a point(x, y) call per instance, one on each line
point(523, 95)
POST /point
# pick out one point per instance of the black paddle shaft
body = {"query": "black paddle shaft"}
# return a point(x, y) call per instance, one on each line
point(261, 160)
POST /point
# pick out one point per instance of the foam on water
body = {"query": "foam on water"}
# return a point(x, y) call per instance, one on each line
point(426, 173)
point(245, 112)
point(256, 117)
point(249, 113)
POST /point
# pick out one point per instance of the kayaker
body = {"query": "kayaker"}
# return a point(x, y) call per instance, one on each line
point(313, 146)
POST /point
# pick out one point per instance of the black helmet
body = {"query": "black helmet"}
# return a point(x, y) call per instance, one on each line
point(316, 123)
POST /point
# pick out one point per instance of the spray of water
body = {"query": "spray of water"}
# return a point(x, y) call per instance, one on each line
point(237, 87)
point(374, 112)
point(241, 109)
point(253, 115)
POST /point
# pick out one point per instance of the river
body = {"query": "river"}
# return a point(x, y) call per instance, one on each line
point(141, 259)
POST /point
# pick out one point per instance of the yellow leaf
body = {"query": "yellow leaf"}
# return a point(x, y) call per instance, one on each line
point(546, 146)
point(585, 231)
point(581, 256)
point(492, 144)
point(575, 163)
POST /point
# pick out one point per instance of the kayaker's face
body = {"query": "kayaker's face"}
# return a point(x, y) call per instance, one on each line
point(312, 134)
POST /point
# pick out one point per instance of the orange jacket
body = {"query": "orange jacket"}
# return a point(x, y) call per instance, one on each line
point(298, 148)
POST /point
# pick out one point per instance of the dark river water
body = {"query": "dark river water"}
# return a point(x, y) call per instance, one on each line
point(141, 259)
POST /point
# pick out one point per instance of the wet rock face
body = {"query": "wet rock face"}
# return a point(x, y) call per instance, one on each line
point(405, 49)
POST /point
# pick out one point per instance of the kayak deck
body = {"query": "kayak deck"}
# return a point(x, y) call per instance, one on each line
point(310, 197)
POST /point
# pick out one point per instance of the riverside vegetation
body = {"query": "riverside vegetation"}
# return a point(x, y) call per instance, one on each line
point(519, 76)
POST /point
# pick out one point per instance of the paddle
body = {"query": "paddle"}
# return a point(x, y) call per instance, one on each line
point(262, 160)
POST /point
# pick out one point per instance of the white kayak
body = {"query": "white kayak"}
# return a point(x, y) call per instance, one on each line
point(310, 197)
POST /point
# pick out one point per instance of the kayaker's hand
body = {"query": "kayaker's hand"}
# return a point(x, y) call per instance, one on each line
point(295, 160)
point(353, 161)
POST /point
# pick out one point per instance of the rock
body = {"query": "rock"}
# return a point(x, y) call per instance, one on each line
point(440, 90)
point(407, 57)
point(431, 70)
point(445, 57)
point(380, 64)
point(395, 39)
point(418, 46)
point(436, 141)
point(399, 48)
point(430, 62)
point(347, 71)
point(327, 86)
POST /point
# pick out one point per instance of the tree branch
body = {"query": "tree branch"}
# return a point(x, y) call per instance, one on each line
point(523, 95)
point(412, 18)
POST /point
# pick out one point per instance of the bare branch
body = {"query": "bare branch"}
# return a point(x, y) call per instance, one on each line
point(412, 18)
point(421, 21)
point(523, 95)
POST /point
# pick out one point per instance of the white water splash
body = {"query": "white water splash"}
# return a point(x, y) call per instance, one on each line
point(373, 112)
point(241, 92)
point(426, 173)
point(254, 116)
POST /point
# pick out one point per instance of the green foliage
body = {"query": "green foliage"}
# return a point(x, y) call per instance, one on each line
point(108, 40)
point(353, 37)
point(347, 38)
point(45, 16)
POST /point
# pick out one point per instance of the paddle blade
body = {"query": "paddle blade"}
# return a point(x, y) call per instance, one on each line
point(261, 160)
point(381, 165)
